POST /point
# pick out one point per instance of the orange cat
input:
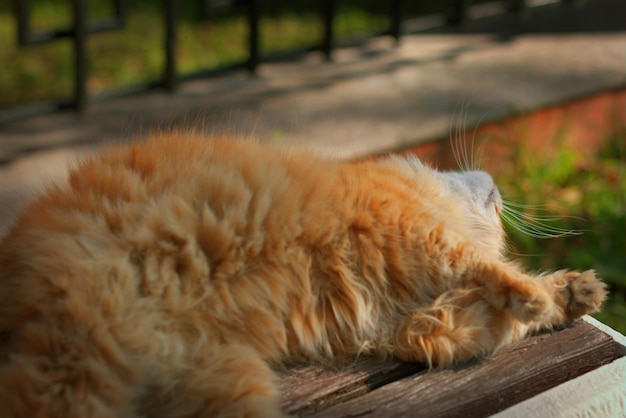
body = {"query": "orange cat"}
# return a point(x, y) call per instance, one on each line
point(167, 277)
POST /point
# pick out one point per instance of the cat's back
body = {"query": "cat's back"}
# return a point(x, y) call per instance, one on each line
point(170, 191)
point(213, 172)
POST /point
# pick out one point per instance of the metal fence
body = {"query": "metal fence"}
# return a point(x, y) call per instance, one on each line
point(456, 12)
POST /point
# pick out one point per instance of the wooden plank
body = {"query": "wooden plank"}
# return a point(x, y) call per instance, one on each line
point(307, 389)
point(600, 393)
point(368, 387)
point(491, 385)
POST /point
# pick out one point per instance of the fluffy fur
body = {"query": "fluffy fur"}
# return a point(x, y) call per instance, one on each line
point(168, 277)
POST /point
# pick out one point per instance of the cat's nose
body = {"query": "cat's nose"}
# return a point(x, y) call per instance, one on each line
point(495, 199)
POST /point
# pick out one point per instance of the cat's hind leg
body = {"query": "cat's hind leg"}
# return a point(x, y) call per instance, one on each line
point(228, 381)
point(458, 326)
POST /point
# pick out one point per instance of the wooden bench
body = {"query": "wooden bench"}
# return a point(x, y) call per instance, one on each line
point(370, 388)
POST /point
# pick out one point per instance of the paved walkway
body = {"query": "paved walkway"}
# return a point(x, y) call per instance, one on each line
point(372, 99)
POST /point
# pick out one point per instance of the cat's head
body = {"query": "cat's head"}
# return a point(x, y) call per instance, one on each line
point(471, 202)
point(481, 203)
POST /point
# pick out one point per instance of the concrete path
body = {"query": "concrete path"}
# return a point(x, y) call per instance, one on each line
point(371, 99)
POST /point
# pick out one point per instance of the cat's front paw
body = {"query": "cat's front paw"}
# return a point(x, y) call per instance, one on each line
point(583, 293)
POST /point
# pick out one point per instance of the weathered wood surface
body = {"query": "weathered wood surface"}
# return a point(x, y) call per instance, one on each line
point(370, 388)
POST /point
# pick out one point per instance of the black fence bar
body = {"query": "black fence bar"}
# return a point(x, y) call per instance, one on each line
point(105, 24)
point(170, 76)
point(253, 35)
point(328, 17)
point(80, 55)
point(516, 6)
point(21, 8)
point(397, 9)
point(457, 11)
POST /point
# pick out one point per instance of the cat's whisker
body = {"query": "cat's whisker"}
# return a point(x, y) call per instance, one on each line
point(535, 226)
point(476, 156)
point(468, 154)
point(454, 141)
point(539, 234)
point(525, 205)
point(532, 217)
point(458, 141)
point(472, 156)
point(529, 218)
point(528, 229)
point(479, 154)
point(536, 207)
point(463, 157)
point(463, 149)
point(511, 207)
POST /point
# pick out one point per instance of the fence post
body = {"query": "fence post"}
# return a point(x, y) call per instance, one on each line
point(328, 17)
point(23, 24)
point(456, 13)
point(397, 7)
point(171, 20)
point(517, 6)
point(253, 35)
point(80, 56)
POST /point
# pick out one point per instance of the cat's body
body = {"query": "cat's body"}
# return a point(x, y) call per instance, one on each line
point(167, 277)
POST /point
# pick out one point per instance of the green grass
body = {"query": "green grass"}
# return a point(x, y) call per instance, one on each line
point(589, 194)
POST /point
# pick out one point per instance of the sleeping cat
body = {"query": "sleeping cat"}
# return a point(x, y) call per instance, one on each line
point(167, 278)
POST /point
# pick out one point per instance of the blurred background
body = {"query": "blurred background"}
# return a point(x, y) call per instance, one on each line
point(534, 91)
